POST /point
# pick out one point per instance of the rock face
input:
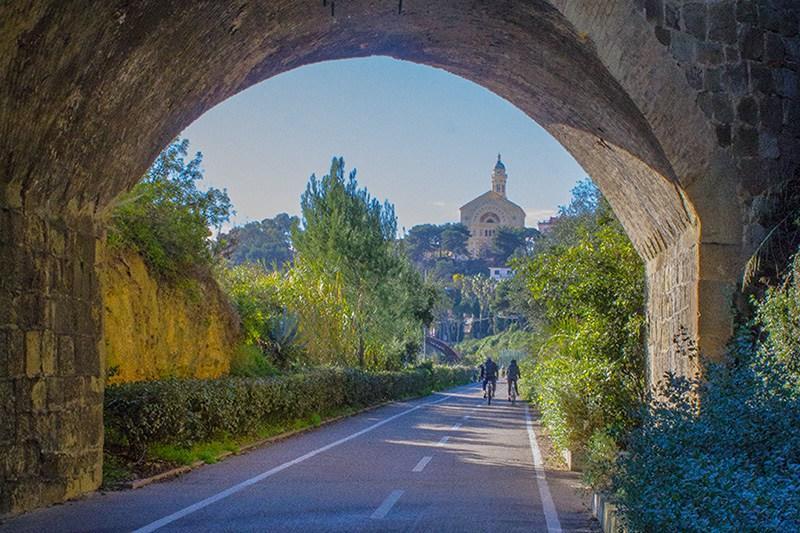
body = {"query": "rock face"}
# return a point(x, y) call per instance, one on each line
point(684, 113)
point(152, 330)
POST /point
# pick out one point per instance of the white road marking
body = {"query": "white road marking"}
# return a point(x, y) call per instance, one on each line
point(422, 463)
point(444, 440)
point(271, 472)
point(456, 427)
point(387, 505)
point(550, 513)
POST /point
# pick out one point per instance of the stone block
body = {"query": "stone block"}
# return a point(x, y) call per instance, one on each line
point(745, 141)
point(15, 352)
point(736, 79)
point(55, 394)
point(663, 35)
point(73, 391)
point(768, 146)
point(723, 110)
point(32, 311)
point(48, 352)
point(671, 17)
point(761, 79)
point(33, 358)
point(66, 355)
point(712, 81)
point(746, 11)
point(752, 43)
point(785, 82)
point(64, 315)
point(38, 395)
point(723, 132)
point(694, 75)
point(709, 53)
point(747, 110)
point(654, 10)
point(773, 49)
point(694, 19)
point(682, 47)
point(722, 23)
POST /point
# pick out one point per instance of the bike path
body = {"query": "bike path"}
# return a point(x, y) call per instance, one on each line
point(447, 462)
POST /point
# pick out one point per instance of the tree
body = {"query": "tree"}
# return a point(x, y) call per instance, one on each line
point(349, 236)
point(454, 239)
point(510, 241)
point(268, 242)
point(167, 219)
point(422, 241)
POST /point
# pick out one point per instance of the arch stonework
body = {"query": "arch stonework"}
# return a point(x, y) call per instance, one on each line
point(685, 114)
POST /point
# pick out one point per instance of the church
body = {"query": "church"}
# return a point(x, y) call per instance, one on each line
point(490, 211)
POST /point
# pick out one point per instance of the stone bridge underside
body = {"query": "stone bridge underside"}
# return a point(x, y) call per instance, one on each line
point(684, 113)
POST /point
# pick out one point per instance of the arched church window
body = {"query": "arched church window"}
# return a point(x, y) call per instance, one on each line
point(489, 218)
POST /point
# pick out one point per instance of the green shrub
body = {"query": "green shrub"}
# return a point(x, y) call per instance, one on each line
point(717, 454)
point(779, 315)
point(184, 412)
point(249, 362)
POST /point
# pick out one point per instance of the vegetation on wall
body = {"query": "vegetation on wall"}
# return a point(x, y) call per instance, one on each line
point(165, 217)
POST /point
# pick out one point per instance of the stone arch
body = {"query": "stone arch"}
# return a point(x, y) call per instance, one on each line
point(651, 98)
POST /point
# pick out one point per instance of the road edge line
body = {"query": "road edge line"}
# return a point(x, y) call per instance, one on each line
point(549, 508)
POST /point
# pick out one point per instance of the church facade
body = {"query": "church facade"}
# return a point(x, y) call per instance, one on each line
point(490, 211)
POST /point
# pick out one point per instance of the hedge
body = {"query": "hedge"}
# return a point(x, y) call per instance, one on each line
point(187, 411)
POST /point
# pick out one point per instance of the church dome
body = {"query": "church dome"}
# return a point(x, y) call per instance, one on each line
point(499, 165)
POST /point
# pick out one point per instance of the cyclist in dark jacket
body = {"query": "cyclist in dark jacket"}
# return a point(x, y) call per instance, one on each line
point(512, 375)
point(489, 374)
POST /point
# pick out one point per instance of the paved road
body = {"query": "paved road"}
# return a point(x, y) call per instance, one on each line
point(443, 463)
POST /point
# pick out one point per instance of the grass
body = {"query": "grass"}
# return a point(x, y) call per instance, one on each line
point(115, 471)
point(211, 451)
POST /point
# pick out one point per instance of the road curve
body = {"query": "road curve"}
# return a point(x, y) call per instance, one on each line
point(443, 463)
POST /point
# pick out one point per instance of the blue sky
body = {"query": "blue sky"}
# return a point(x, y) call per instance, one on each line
point(423, 138)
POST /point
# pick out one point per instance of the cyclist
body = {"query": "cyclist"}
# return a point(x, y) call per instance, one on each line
point(512, 375)
point(489, 374)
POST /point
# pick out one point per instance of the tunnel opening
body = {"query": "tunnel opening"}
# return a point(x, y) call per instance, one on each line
point(92, 102)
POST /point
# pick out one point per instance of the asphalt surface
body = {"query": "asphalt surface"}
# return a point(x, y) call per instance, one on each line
point(443, 463)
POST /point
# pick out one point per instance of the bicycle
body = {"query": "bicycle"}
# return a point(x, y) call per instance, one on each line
point(513, 396)
point(490, 386)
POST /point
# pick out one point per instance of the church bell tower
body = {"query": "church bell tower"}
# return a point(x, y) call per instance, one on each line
point(499, 177)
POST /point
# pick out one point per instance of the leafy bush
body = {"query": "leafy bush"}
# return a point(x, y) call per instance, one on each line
point(166, 218)
point(184, 412)
point(779, 315)
point(249, 362)
point(587, 368)
point(717, 454)
point(514, 341)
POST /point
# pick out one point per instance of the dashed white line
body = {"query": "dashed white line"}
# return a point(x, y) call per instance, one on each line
point(262, 476)
point(387, 505)
point(422, 463)
point(444, 440)
point(456, 427)
point(550, 513)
